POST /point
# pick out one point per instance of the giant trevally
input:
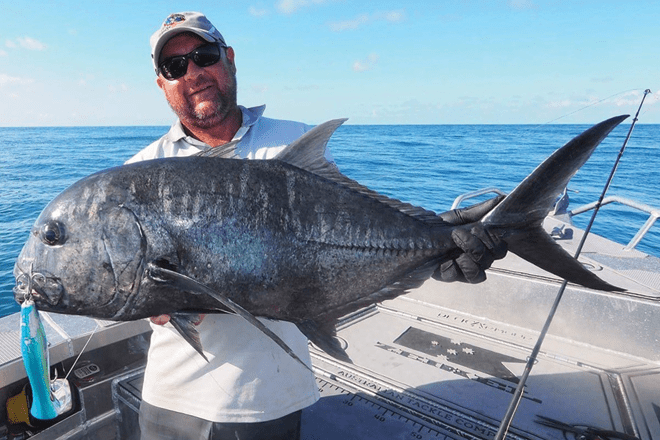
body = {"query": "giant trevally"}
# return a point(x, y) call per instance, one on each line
point(290, 238)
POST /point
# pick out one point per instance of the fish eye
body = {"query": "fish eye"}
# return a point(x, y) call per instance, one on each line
point(52, 233)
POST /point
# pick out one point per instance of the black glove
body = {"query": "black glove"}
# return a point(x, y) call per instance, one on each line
point(480, 248)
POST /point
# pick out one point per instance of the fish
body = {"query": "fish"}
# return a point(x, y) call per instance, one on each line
point(290, 238)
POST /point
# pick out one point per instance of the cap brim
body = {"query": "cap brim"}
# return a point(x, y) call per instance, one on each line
point(167, 36)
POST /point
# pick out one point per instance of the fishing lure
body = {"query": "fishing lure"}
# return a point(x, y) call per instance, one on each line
point(45, 399)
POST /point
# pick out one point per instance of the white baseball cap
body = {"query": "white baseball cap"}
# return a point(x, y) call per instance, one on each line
point(180, 22)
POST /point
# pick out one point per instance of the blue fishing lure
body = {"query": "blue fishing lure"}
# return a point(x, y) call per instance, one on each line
point(50, 399)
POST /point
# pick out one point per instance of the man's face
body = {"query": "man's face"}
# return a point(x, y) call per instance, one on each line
point(204, 95)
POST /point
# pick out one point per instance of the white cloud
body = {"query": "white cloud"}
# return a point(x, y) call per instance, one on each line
point(6, 79)
point(392, 16)
point(257, 12)
point(655, 97)
point(387, 16)
point(339, 26)
point(25, 43)
point(2, 53)
point(291, 6)
point(629, 99)
point(30, 43)
point(560, 104)
point(366, 64)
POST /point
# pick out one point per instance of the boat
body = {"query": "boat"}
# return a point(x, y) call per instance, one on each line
point(441, 362)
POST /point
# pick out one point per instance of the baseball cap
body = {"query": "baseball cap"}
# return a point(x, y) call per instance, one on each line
point(178, 23)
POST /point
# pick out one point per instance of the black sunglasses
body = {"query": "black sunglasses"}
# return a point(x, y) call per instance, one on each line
point(204, 56)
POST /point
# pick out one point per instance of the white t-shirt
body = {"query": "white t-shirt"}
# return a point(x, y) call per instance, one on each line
point(249, 378)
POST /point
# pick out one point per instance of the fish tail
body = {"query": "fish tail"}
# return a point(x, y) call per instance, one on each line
point(518, 218)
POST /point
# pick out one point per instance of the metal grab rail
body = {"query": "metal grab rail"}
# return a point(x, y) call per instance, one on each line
point(654, 214)
point(473, 194)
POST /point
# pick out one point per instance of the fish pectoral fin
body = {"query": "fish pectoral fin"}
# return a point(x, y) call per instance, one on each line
point(537, 247)
point(184, 324)
point(324, 336)
point(188, 284)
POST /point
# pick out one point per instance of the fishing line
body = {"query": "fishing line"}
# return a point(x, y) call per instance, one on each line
point(595, 103)
point(517, 396)
point(81, 351)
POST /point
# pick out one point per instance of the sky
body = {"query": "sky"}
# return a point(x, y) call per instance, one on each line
point(75, 63)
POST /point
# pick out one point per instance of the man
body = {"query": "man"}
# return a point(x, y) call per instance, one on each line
point(249, 388)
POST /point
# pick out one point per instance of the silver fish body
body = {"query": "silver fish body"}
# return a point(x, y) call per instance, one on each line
point(290, 239)
point(280, 241)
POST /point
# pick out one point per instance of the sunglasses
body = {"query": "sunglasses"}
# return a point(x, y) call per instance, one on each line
point(204, 56)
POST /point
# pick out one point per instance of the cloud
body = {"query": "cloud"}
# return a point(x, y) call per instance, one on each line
point(560, 104)
point(6, 79)
point(291, 6)
point(387, 16)
point(366, 64)
point(339, 26)
point(257, 12)
point(654, 98)
point(119, 88)
point(628, 99)
point(392, 16)
point(30, 43)
point(25, 43)
point(2, 53)
point(631, 98)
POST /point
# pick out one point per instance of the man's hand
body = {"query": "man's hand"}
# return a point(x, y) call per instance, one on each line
point(164, 319)
point(480, 248)
point(160, 319)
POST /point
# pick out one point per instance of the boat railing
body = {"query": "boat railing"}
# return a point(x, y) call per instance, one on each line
point(473, 194)
point(653, 213)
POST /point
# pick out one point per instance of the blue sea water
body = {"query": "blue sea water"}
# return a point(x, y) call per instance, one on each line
point(426, 165)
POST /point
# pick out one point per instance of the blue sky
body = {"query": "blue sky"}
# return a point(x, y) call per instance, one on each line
point(388, 62)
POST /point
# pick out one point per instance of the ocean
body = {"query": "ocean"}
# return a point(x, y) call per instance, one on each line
point(426, 165)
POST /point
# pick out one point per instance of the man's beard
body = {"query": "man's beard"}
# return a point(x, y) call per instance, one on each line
point(224, 102)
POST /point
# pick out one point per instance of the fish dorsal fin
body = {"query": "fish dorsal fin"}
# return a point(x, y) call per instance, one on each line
point(308, 153)
point(226, 151)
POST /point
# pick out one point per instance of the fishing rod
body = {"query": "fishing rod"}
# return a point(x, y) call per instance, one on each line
point(517, 396)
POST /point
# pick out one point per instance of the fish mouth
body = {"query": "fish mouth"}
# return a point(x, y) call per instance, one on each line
point(43, 289)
